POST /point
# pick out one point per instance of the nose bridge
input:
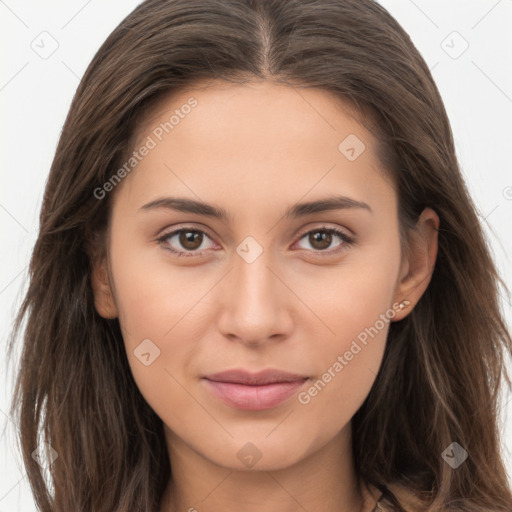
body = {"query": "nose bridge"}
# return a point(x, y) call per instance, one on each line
point(254, 305)
point(255, 286)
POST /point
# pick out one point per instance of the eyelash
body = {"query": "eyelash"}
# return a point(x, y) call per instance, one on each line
point(347, 240)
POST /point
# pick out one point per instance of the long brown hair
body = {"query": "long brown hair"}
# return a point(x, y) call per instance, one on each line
point(444, 363)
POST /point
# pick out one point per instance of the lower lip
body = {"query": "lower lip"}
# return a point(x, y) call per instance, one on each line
point(254, 398)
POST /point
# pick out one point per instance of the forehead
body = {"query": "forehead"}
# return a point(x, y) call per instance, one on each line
point(255, 140)
point(255, 101)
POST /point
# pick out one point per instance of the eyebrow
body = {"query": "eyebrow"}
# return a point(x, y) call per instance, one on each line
point(298, 210)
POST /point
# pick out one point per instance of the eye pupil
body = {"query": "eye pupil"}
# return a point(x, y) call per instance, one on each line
point(188, 239)
point(324, 237)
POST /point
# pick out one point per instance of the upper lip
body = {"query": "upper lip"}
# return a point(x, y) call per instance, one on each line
point(240, 376)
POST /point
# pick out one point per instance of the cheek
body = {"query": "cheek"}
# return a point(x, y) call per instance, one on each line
point(152, 294)
point(357, 309)
point(158, 328)
point(354, 295)
point(158, 317)
point(347, 363)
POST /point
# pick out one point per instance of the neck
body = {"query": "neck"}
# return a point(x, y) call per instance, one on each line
point(323, 480)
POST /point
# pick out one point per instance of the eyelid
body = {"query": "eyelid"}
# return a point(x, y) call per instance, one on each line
point(347, 239)
point(326, 227)
point(166, 235)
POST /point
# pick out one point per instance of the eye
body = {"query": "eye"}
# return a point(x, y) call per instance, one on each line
point(191, 240)
point(321, 238)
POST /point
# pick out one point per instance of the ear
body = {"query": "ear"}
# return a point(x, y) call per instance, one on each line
point(417, 268)
point(102, 288)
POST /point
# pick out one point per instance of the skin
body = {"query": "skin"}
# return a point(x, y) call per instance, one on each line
point(255, 150)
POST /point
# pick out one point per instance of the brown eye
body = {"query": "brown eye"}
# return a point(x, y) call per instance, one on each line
point(190, 240)
point(185, 242)
point(321, 239)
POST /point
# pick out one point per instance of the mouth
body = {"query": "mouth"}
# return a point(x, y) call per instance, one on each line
point(254, 391)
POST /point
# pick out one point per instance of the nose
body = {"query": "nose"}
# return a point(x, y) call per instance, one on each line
point(255, 304)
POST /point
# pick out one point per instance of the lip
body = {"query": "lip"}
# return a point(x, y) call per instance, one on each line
point(254, 391)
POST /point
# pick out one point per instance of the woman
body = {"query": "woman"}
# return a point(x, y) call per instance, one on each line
point(191, 343)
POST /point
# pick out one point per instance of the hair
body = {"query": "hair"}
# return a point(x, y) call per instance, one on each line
point(444, 363)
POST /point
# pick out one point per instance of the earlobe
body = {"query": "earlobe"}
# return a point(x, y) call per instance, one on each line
point(417, 271)
point(102, 289)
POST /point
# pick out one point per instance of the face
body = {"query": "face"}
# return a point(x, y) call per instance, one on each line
point(268, 285)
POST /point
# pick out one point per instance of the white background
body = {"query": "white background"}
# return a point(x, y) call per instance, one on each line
point(36, 92)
